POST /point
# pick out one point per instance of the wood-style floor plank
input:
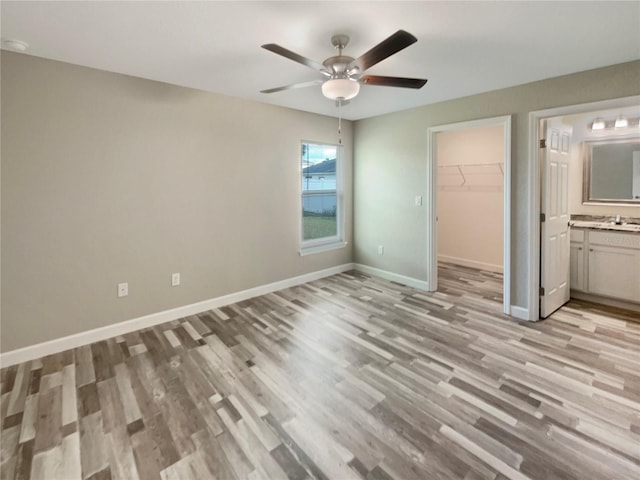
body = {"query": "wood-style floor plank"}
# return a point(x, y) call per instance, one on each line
point(347, 377)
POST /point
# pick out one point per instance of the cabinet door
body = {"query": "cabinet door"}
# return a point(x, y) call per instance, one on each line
point(614, 272)
point(576, 277)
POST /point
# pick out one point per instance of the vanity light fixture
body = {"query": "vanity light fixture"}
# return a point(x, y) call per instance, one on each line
point(621, 122)
point(598, 124)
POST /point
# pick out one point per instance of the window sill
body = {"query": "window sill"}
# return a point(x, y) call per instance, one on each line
point(322, 248)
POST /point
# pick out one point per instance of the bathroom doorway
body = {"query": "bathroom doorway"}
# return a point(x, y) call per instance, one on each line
point(579, 116)
point(469, 205)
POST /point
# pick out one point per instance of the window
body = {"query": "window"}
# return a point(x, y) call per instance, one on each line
point(321, 172)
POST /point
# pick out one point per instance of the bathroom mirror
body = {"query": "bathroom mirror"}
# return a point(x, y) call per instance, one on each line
point(612, 171)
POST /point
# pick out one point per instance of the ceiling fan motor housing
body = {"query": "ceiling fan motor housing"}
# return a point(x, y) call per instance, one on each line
point(338, 66)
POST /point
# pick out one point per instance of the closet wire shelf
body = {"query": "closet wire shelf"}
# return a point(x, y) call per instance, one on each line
point(478, 177)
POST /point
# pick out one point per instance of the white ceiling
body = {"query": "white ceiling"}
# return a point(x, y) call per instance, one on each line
point(463, 48)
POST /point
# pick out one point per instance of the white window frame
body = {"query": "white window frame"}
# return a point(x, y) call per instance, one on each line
point(333, 242)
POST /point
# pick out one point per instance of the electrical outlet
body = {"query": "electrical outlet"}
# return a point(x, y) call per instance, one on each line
point(175, 279)
point(123, 289)
point(418, 200)
point(380, 249)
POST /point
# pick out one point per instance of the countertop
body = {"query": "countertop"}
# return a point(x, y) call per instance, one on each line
point(606, 222)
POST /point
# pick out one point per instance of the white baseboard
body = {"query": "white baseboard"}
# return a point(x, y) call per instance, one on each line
point(394, 277)
point(108, 331)
point(520, 313)
point(471, 263)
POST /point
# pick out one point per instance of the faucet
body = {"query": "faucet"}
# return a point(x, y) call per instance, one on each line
point(618, 220)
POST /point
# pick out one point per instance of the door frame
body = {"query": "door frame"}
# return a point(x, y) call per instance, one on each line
point(535, 135)
point(432, 204)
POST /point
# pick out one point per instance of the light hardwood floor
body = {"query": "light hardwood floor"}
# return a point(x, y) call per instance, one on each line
point(348, 377)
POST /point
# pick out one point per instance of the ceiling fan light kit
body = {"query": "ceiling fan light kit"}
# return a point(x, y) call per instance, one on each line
point(340, 89)
point(344, 74)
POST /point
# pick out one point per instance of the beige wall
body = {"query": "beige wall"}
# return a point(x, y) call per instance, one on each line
point(471, 216)
point(390, 166)
point(108, 178)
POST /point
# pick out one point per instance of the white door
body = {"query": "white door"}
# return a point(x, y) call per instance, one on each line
point(554, 255)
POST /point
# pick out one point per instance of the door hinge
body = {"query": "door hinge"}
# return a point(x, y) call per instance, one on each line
point(543, 143)
point(542, 291)
point(543, 217)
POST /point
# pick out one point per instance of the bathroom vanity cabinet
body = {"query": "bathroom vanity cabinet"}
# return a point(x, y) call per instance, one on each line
point(605, 263)
point(576, 260)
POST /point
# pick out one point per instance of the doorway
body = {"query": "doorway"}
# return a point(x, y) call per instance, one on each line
point(537, 248)
point(457, 177)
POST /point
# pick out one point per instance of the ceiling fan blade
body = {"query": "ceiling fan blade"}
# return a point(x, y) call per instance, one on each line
point(384, 49)
point(392, 81)
point(292, 86)
point(272, 47)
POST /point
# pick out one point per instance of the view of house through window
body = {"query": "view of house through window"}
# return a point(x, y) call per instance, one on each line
point(320, 194)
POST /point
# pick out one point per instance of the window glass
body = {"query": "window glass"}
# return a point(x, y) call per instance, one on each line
point(320, 193)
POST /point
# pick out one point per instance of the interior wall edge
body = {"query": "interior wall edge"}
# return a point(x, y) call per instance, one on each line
point(520, 313)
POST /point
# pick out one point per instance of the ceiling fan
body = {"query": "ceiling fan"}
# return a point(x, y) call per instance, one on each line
point(344, 74)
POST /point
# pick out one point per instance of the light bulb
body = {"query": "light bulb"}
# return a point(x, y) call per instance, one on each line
point(340, 89)
point(621, 122)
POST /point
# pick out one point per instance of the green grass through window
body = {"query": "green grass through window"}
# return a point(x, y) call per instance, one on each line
point(319, 226)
